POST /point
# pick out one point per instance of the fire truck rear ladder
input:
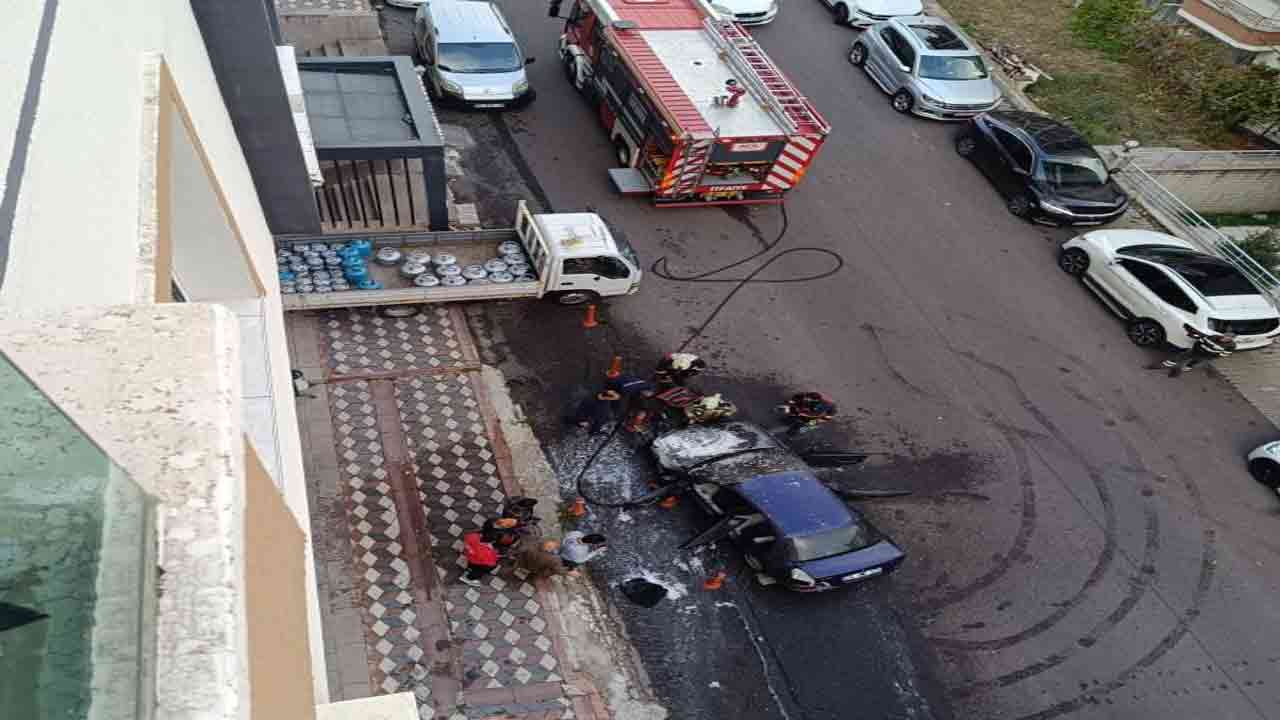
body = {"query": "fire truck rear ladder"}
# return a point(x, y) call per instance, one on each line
point(791, 109)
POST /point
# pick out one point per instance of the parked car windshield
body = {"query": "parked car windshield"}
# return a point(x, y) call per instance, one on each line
point(824, 544)
point(1076, 171)
point(479, 57)
point(952, 67)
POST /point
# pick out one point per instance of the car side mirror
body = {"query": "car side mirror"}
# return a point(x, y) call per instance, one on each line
point(529, 60)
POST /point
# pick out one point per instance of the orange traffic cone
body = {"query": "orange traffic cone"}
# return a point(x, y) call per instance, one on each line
point(579, 507)
point(715, 582)
point(590, 320)
point(667, 502)
point(615, 368)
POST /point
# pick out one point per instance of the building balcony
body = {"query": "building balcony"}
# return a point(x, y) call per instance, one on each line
point(77, 558)
point(1252, 26)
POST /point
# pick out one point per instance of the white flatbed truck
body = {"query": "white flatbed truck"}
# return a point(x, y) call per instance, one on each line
point(575, 257)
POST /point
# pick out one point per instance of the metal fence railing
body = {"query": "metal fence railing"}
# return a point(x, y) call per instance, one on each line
point(1248, 16)
point(1182, 221)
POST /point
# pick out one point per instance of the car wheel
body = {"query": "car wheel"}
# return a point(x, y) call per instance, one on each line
point(1019, 205)
point(902, 101)
point(623, 151)
point(1266, 472)
point(858, 54)
point(571, 71)
point(966, 146)
point(842, 14)
point(1073, 261)
point(1145, 332)
point(570, 298)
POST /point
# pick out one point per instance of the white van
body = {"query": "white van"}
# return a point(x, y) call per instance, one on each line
point(470, 56)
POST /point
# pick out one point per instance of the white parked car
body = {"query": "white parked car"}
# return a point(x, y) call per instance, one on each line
point(749, 12)
point(1159, 283)
point(1264, 465)
point(862, 14)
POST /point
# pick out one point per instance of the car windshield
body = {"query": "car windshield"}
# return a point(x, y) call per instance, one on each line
point(1076, 171)
point(479, 57)
point(627, 251)
point(824, 544)
point(952, 67)
point(1213, 277)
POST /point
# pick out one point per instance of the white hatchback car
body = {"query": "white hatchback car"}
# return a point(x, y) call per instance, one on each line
point(862, 14)
point(1264, 465)
point(1159, 283)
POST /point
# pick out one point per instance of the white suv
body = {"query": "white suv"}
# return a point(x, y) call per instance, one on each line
point(1159, 283)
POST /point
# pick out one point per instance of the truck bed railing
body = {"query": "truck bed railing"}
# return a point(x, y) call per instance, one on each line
point(396, 239)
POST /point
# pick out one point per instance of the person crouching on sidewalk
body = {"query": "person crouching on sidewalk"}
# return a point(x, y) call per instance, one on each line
point(482, 558)
point(579, 548)
point(596, 412)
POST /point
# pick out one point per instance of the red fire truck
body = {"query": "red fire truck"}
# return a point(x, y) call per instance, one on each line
point(697, 112)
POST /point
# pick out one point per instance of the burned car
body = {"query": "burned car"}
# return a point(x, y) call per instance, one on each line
point(791, 529)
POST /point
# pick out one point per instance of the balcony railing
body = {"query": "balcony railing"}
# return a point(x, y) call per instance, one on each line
point(77, 559)
point(1246, 15)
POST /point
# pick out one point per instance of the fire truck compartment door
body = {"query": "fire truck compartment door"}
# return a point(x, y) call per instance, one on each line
point(630, 181)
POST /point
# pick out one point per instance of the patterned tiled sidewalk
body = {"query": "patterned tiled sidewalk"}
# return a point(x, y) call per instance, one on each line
point(419, 462)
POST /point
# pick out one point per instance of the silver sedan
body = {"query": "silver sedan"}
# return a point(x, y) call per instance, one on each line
point(927, 67)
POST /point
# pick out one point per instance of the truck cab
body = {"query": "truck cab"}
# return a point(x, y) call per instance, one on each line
point(580, 257)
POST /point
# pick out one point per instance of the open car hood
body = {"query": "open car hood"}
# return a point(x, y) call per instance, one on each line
point(684, 449)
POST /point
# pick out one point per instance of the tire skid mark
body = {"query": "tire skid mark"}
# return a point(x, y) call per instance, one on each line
point(1138, 584)
point(1061, 609)
point(1182, 626)
point(1105, 558)
point(876, 335)
point(1026, 527)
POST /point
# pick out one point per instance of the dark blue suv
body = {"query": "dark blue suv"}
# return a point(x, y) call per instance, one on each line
point(791, 529)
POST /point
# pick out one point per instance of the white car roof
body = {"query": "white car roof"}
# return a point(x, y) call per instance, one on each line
point(469, 22)
point(576, 234)
point(1124, 238)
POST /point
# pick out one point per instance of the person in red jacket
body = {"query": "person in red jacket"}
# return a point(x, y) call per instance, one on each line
point(481, 556)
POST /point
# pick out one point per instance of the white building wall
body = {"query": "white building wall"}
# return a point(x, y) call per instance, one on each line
point(76, 232)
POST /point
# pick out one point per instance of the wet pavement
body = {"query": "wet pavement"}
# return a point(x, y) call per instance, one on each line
point(1083, 540)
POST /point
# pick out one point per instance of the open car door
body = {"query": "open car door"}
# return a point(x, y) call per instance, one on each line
point(715, 533)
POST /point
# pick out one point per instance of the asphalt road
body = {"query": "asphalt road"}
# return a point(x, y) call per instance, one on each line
point(1083, 540)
